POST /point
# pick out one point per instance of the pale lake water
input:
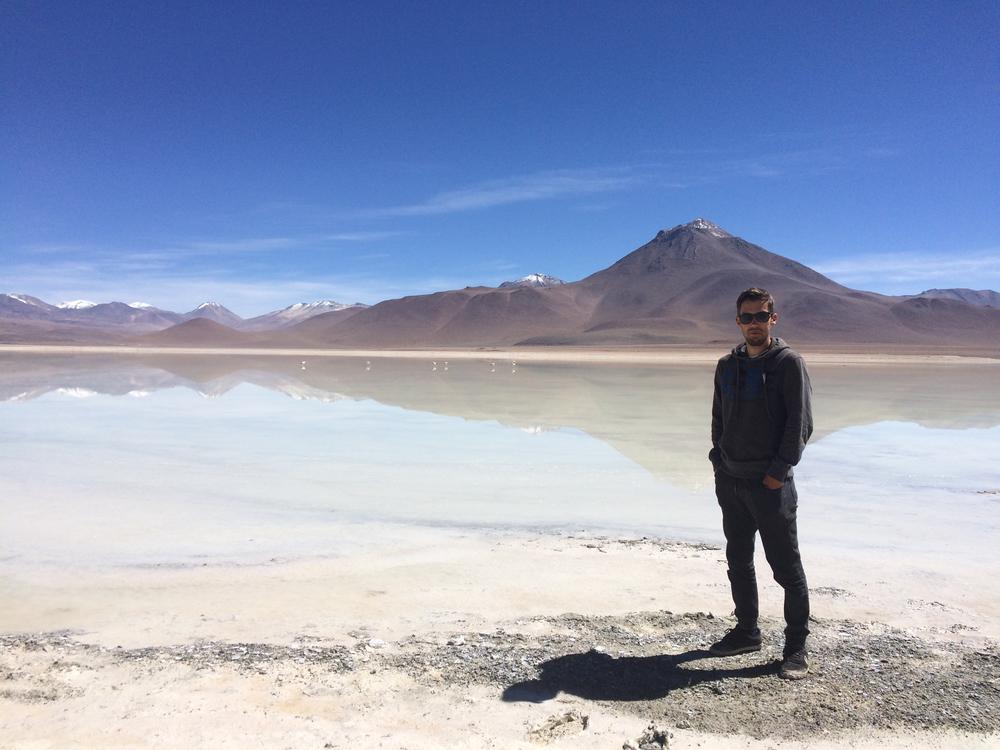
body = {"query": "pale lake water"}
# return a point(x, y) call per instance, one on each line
point(146, 460)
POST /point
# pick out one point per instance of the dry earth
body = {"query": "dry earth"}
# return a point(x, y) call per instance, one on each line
point(648, 666)
point(630, 679)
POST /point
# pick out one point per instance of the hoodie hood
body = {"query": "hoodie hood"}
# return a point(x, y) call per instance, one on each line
point(777, 346)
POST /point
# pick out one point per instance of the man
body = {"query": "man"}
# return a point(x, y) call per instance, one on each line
point(761, 420)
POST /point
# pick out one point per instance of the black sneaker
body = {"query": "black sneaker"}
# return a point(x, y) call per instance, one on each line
point(794, 665)
point(736, 641)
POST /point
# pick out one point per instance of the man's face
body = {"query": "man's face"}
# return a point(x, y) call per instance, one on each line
point(756, 333)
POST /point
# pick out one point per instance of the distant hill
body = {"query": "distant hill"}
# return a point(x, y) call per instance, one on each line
point(119, 314)
point(24, 318)
point(297, 313)
point(215, 312)
point(973, 297)
point(198, 332)
point(27, 319)
point(678, 288)
point(533, 280)
point(35, 331)
point(306, 329)
point(24, 306)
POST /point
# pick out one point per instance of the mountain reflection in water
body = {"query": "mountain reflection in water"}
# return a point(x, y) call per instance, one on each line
point(113, 458)
point(655, 415)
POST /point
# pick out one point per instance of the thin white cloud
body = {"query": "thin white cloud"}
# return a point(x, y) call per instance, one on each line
point(64, 248)
point(677, 172)
point(364, 236)
point(903, 272)
point(497, 265)
point(594, 207)
point(210, 247)
point(175, 277)
point(882, 152)
point(797, 163)
point(683, 169)
point(522, 189)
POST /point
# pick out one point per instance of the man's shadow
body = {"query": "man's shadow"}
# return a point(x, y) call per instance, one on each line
point(598, 676)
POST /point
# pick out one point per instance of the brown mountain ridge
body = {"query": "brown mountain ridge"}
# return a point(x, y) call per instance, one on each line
point(678, 288)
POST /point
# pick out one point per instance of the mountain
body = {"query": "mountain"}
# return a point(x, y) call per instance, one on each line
point(24, 318)
point(473, 316)
point(297, 313)
point(28, 319)
point(306, 332)
point(981, 297)
point(215, 312)
point(678, 288)
point(534, 280)
point(25, 306)
point(681, 287)
point(84, 313)
point(200, 331)
point(118, 314)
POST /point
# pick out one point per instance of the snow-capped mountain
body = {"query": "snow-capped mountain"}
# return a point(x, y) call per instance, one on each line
point(24, 306)
point(296, 314)
point(26, 299)
point(141, 317)
point(326, 305)
point(23, 302)
point(215, 311)
point(83, 304)
point(705, 225)
point(986, 297)
point(74, 318)
point(120, 314)
point(536, 280)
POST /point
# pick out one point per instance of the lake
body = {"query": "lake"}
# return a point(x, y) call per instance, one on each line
point(181, 460)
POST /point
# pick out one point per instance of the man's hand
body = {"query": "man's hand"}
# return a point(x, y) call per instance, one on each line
point(771, 483)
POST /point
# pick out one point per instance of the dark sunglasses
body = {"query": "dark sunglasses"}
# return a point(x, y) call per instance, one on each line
point(759, 317)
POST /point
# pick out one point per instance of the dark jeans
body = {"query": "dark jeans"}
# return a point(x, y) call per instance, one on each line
point(748, 507)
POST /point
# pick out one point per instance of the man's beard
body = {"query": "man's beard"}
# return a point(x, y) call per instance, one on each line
point(756, 339)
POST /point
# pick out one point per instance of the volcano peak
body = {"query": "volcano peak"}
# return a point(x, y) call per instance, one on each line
point(700, 224)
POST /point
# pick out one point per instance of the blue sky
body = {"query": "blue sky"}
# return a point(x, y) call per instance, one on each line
point(261, 154)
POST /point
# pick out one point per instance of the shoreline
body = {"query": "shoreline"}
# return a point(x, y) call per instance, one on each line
point(478, 640)
point(412, 577)
point(841, 355)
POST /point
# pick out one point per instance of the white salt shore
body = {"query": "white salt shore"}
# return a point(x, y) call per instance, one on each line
point(418, 585)
point(257, 571)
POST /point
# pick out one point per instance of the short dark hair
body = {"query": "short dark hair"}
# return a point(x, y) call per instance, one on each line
point(755, 294)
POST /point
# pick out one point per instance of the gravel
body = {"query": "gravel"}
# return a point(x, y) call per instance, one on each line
point(650, 664)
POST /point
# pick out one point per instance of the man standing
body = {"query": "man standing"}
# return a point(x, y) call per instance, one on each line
point(761, 420)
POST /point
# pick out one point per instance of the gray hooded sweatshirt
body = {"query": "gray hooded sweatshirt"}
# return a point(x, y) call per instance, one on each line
point(761, 414)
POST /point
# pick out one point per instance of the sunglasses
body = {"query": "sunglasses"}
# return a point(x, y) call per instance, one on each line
point(759, 317)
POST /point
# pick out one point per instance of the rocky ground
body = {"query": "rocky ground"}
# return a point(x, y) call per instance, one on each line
point(647, 664)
